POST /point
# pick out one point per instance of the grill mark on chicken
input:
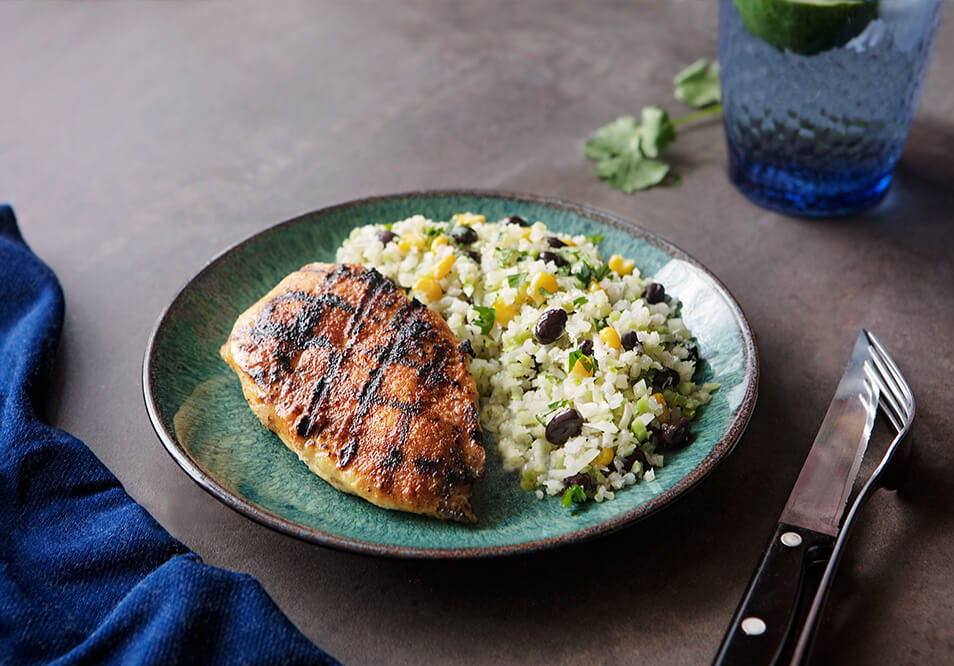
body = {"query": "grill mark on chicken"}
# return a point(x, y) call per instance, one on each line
point(291, 322)
point(308, 426)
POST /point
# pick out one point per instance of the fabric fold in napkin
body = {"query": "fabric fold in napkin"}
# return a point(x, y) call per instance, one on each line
point(86, 574)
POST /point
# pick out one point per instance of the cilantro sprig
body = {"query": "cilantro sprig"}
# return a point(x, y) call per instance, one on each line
point(516, 279)
point(573, 494)
point(626, 152)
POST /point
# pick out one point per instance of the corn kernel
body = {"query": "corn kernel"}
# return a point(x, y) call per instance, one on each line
point(605, 457)
point(583, 368)
point(664, 415)
point(505, 313)
point(429, 288)
point(469, 218)
point(610, 337)
point(543, 281)
point(568, 242)
point(525, 233)
point(596, 286)
point(442, 267)
point(410, 240)
point(621, 266)
point(440, 240)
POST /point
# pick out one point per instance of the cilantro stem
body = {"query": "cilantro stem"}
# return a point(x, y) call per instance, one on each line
point(697, 115)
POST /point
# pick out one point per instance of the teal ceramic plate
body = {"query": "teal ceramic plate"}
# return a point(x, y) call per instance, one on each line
point(196, 405)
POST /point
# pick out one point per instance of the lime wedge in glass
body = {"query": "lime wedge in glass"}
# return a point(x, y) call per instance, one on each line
point(807, 27)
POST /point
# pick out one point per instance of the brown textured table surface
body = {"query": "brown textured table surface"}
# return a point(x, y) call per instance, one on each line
point(138, 140)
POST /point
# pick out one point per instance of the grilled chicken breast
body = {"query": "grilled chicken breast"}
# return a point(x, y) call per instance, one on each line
point(366, 386)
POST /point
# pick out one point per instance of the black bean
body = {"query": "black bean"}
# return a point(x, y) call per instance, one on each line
point(463, 235)
point(666, 378)
point(636, 455)
point(554, 257)
point(473, 255)
point(554, 242)
point(467, 348)
point(386, 236)
point(655, 293)
point(587, 347)
point(550, 326)
point(629, 340)
point(563, 426)
point(674, 434)
point(515, 219)
point(580, 479)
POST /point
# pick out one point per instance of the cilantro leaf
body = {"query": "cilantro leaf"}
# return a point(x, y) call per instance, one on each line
point(601, 271)
point(577, 356)
point(595, 239)
point(615, 138)
point(574, 493)
point(698, 84)
point(587, 273)
point(580, 300)
point(584, 274)
point(552, 407)
point(485, 318)
point(516, 279)
point(623, 150)
point(656, 132)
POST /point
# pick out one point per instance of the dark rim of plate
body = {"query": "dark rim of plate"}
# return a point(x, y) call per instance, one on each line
point(722, 448)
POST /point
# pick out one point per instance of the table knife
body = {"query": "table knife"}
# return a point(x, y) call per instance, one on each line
point(790, 570)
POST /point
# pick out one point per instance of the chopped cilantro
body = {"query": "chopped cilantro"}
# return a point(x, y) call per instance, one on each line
point(581, 300)
point(577, 356)
point(516, 279)
point(485, 318)
point(509, 254)
point(552, 407)
point(586, 273)
point(573, 494)
point(595, 239)
point(601, 271)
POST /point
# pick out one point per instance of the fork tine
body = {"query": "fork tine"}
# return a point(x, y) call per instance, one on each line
point(892, 416)
point(889, 405)
point(889, 397)
point(893, 369)
point(894, 379)
point(891, 394)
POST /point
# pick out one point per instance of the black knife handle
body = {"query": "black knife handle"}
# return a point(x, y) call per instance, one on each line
point(783, 585)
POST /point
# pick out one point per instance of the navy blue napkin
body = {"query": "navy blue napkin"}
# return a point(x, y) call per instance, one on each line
point(86, 575)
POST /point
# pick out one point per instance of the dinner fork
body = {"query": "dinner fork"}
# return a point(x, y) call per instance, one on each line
point(897, 404)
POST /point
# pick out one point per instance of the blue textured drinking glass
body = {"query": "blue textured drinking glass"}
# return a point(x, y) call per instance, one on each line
point(817, 110)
